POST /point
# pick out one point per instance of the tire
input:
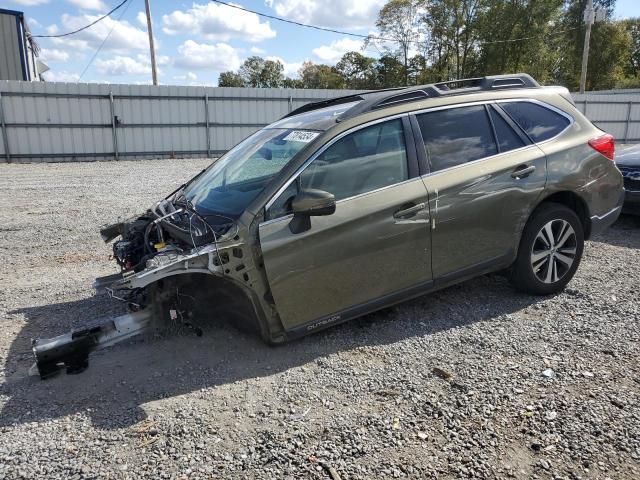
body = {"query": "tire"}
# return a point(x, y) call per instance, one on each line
point(550, 250)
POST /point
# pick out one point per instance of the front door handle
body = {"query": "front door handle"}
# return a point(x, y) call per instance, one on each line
point(405, 212)
point(523, 171)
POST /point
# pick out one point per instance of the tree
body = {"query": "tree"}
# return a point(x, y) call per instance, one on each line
point(533, 23)
point(419, 71)
point(609, 54)
point(255, 72)
point(292, 83)
point(390, 72)
point(572, 42)
point(230, 79)
point(438, 40)
point(320, 76)
point(357, 71)
point(399, 20)
point(632, 26)
point(453, 32)
point(260, 73)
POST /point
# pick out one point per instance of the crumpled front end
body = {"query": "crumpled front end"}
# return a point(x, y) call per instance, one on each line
point(177, 267)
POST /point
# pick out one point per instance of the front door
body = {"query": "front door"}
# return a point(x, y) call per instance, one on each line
point(486, 177)
point(375, 244)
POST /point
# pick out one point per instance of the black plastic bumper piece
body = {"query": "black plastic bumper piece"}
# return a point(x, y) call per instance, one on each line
point(70, 351)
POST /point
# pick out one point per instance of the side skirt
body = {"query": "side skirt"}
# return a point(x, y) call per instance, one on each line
point(488, 266)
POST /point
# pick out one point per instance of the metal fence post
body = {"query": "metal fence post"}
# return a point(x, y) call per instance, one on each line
point(626, 128)
point(290, 103)
point(206, 119)
point(5, 137)
point(113, 126)
point(585, 107)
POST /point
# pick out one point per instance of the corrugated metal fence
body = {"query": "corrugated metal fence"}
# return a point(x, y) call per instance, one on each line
point(45, 122)
point(54, 122)
point(616, 112)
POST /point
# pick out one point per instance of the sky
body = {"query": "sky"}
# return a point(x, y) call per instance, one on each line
point(197, 40)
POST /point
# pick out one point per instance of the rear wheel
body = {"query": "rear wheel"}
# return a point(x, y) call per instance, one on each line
point(550, 250)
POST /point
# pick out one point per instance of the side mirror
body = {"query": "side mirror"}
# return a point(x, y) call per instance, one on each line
point(310, 203)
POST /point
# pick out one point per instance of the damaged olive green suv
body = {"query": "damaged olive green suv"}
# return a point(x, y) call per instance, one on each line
point(353, 204)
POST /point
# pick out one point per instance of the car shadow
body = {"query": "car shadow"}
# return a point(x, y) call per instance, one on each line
point(121, 379)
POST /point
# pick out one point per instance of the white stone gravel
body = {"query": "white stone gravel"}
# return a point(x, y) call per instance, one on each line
point(540, 387)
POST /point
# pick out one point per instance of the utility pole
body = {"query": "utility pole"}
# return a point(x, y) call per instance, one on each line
point(152, 49)
point(588, 18)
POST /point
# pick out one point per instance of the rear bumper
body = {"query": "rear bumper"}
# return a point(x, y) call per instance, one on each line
point(599, 223)
point(631, 202)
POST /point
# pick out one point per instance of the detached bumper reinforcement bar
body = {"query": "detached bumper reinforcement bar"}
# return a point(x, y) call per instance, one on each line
point(71, 350)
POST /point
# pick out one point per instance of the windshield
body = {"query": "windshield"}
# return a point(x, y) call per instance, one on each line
point(231, 183)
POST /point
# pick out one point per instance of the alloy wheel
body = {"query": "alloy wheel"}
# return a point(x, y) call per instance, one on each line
point(553, 251)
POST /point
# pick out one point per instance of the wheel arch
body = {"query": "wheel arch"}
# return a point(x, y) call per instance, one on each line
point(214, 295)
point(567, 198)
point(571, 200)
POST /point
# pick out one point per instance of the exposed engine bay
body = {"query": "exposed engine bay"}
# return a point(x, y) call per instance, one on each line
point(170, 230)
point(169, 226)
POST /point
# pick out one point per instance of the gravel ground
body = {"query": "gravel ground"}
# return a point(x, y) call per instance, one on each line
point(472, 381)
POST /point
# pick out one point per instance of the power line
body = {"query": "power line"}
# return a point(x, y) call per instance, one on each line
point(559, 32)
point(370, 37)
point(324, 29)
point(95, 54)
point(85, 27)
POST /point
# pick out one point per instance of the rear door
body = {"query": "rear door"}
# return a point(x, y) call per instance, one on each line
point(485, 177)
point(374, 245)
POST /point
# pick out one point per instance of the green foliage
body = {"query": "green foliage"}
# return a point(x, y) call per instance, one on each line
point(629, 82)
point(632, 26)
point(292, 83)
point(230, 79)
point(260, 73)
point(570, 44)
point(254, 72)
point(437, 40)
point(610, 53)
point(390, 72)
point(453, 27)
point(357, 70)
point(320, 76)
point(499, 22)
point(400, 20)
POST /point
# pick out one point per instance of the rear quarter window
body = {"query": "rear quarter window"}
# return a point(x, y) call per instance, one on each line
point(540, 123)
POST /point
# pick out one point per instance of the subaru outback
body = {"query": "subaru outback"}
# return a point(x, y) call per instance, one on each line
point(353, 204)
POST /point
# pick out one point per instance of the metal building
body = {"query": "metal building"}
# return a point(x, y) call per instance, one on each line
point(18, 51)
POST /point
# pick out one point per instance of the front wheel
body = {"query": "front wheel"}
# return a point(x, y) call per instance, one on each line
point(550, 250)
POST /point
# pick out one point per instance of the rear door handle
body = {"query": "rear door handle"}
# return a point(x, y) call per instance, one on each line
point(523, 171)
point(405, 212)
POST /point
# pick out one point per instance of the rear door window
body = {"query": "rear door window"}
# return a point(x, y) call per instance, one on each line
point(456, 135)
point(507, 138)
point(540, 123)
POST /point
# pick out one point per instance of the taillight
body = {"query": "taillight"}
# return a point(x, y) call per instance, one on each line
point(604, 144)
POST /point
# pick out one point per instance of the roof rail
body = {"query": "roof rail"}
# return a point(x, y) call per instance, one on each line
point(376, 99)
point(520, 80)
point(308, 107)
point(382, 99)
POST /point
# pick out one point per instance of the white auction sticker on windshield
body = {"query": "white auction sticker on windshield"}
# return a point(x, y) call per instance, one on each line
point(303, 136)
